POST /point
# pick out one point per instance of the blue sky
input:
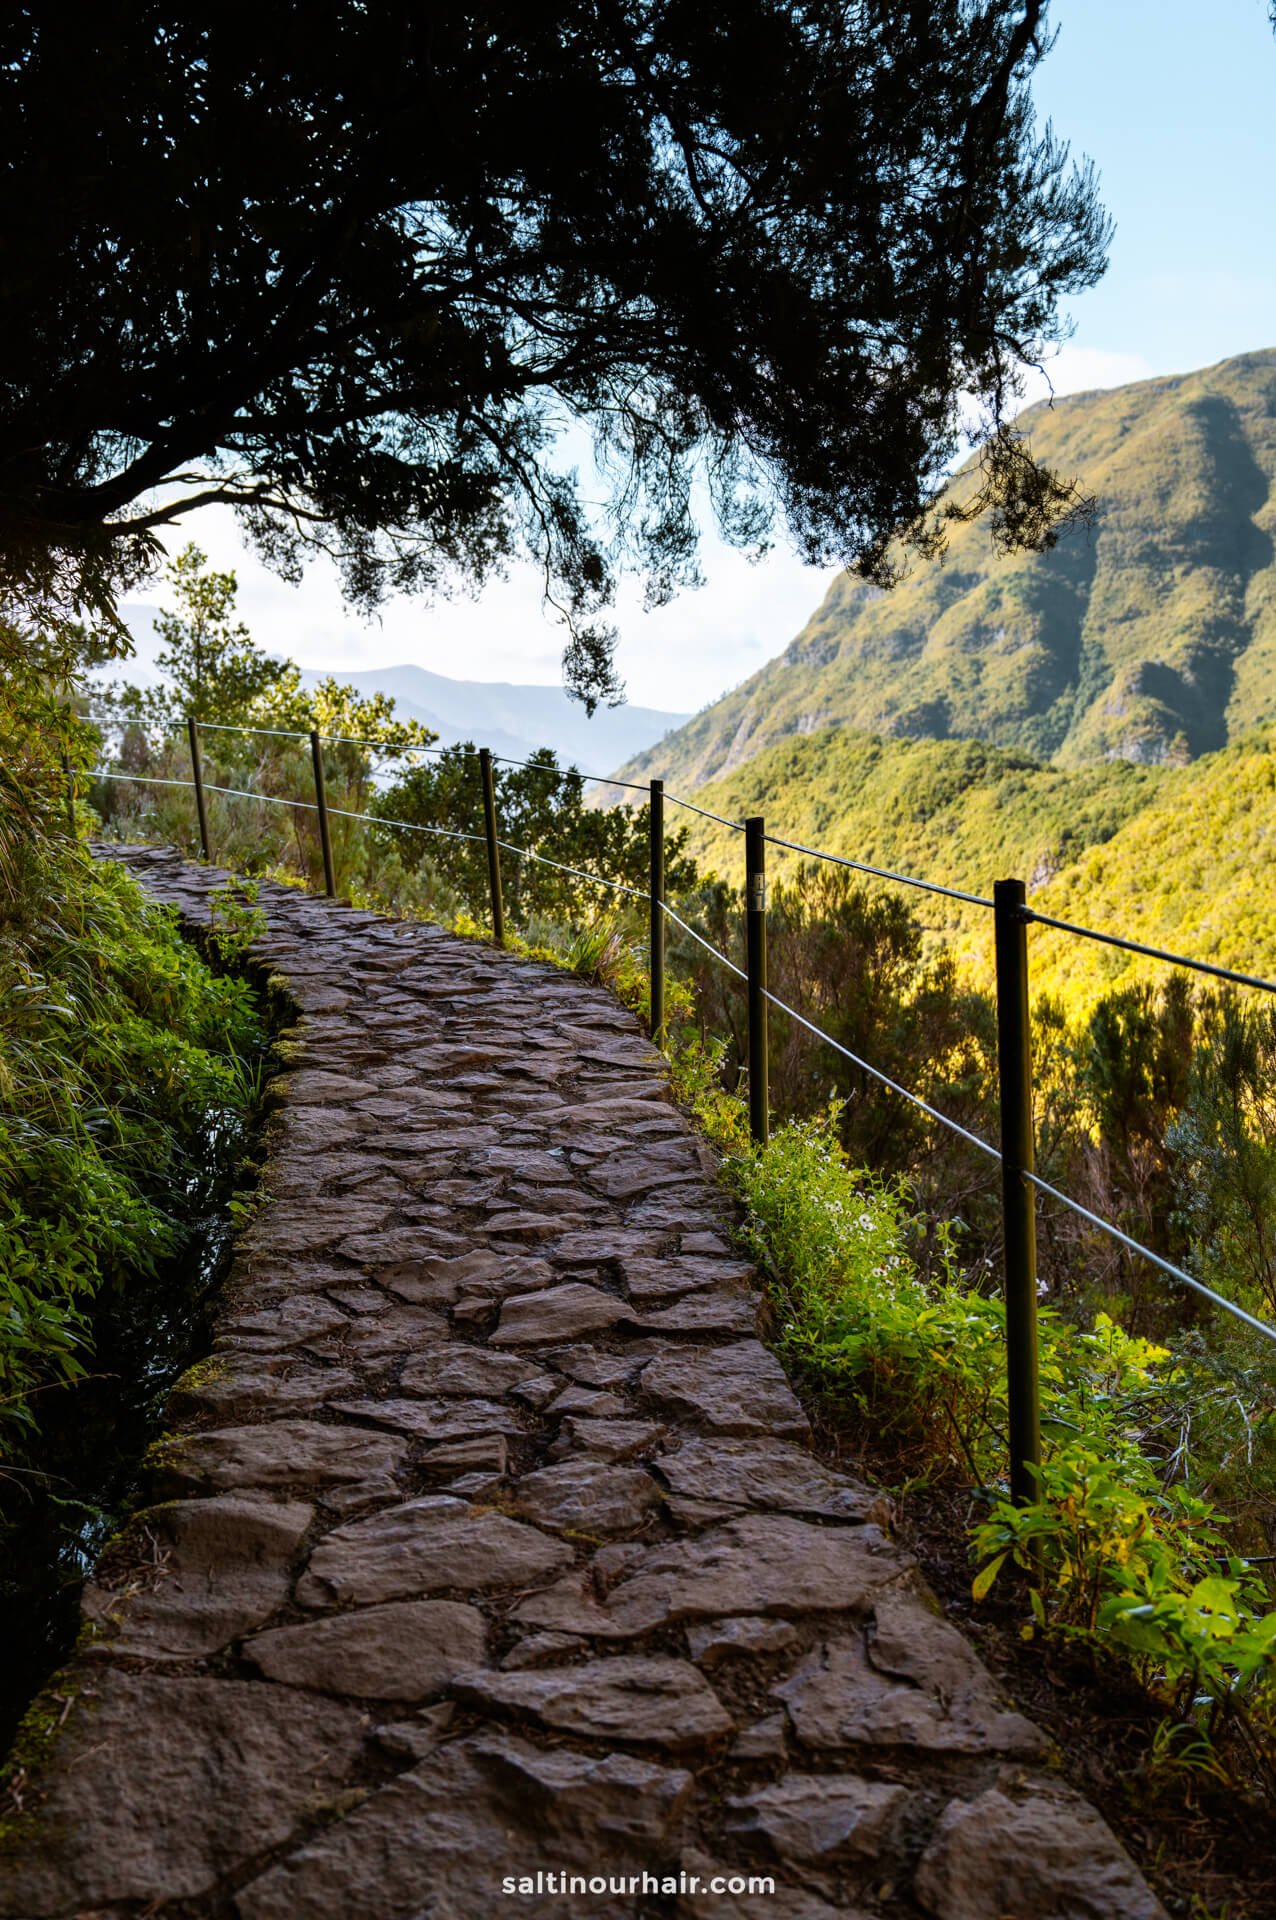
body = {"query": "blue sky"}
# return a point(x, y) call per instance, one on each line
point(1174, 101)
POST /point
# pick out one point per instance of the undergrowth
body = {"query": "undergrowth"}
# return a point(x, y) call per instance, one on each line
point(119, 1044)
point(1118, 1551)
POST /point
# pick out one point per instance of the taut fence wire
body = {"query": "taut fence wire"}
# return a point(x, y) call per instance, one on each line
point(1011, 917)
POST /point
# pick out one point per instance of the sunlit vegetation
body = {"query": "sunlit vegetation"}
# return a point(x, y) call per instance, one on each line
point(1167, 856)
point(1147, 634)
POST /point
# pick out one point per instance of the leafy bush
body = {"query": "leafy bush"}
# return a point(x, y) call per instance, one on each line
point(119, 1047)
point(1118, 1547)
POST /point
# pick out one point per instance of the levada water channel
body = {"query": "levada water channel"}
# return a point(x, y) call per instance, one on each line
point(60, 1508)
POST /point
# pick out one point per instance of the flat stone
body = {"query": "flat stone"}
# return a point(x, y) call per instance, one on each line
point(348, 1501)
point(226, 1571)
point(595, 1368)
point(758, 1564)
point(1047, 1855)
point(433, 1419)
point(631, 1173)
point(718, 1312)
point(324, 1221)
point(559, 1313)
point(515, 1276)
point(770, 1474)
point(414, 1739)
point(639, 1700)
point(600, 1243)
point(940, 1699)
point(739, 1388)
point(400, 1328)
point(405, 1650)
point(821, 1818)
point(588, 1497)
point(613, 1112)
point(231, 1386)
point(315, 1130)
point(764, 1740)
point(544, 1169)
point(536, 1389)
point(751, 1634)
point(610, 1439)
point(437, 1544)
point(459, 1371)
point(439, 1842)
point(201, 1778)
point(396, 1244)
point(648, 1279)
point(778, 1902)
point(302, 1316)
point(525, 1225)
point(314, 1087)
point(479, 1270)
point(281, 1453)
point(574, 1400)
point(486, 1453)
point(673, 1209)
point(541, 1650)
point(360, 1299)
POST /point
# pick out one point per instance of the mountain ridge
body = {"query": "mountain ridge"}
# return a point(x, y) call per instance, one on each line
point(1148, 635)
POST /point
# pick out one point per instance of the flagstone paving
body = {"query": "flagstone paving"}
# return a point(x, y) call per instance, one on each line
point(488, 1544)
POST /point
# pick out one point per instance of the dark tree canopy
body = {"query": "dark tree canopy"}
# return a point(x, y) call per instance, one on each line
point(350, 267)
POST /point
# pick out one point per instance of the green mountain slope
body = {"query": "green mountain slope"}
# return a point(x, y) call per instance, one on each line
point(1149, 636)
point(1177, 857)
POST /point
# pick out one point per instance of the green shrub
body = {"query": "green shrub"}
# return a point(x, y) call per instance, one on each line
point(120, 1047)
point(1118, 1548)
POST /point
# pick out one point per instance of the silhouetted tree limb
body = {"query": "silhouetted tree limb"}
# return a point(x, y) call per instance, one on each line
point(350, 268)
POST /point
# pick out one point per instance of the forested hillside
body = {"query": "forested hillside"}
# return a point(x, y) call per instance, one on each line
point(1173, 856)
point(1147, 635)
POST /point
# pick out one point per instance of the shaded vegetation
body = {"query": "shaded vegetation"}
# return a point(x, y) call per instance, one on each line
point(370, 272)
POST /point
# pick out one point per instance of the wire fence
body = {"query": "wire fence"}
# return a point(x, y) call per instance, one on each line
point(1011, 918)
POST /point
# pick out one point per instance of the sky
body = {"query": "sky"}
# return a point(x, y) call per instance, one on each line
point(1173, 100)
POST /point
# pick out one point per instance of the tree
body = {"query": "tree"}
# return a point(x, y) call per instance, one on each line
point(214, 668)
point(349, 268)
point(541, 809)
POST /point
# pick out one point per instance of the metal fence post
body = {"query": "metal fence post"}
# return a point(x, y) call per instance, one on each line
point(1019, 1213)
point(201, 804)
point(70, 794)
point(321, 797)
point(657, 820)
point(493, 851)
point(755, 961)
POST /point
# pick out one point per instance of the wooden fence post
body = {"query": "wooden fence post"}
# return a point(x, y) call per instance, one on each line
point(1018, 1196)
point(201, 804)
point(493, 850)
point(657, 822)
point(321, 798)
point(755, 961)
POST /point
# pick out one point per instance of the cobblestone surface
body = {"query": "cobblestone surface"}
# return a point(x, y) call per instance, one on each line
point(488, 1543)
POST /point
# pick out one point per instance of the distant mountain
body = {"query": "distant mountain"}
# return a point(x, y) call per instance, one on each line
point(1149, 636)
point(512, 720)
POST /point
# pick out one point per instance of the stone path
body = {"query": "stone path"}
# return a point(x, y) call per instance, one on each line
point(487, 1545)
